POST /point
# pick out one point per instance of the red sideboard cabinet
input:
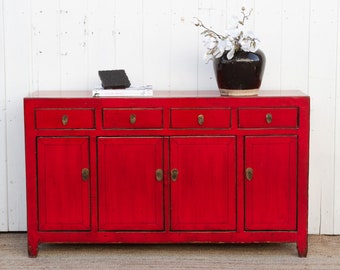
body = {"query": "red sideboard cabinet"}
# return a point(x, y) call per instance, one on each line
point(178, 167)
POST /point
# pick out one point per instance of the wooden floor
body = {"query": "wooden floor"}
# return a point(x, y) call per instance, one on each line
point(324, 253)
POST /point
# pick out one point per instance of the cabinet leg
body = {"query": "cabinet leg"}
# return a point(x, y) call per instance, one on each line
point(302, 248)
point(33, 247)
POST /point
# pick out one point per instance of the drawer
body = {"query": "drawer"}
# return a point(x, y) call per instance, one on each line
point(64, 118)
point(200, 118)
point(143, 118)
point(268, 118)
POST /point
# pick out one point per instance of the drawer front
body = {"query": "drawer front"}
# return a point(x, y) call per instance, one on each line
point(143, 118)
point(268, 118)
point(200, 118)
point(64, 119)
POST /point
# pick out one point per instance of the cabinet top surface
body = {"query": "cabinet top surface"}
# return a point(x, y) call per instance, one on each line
point(165, 94)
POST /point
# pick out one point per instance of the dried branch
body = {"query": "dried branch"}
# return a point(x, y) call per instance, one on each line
point(207, 31)
point(245, 16)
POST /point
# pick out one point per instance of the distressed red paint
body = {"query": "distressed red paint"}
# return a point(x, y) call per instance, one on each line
point(211, 142)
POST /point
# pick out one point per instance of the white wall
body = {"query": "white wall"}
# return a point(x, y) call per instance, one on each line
point(61, 44)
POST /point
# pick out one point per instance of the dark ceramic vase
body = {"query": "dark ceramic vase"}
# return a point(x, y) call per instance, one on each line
point(241, 75)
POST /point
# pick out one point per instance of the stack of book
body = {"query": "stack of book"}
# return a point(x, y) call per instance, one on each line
point(127, 92)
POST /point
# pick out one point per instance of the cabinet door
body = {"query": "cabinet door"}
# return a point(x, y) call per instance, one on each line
point(63, 190)
point(203, 196)
point(270, 183)
point(130, 195)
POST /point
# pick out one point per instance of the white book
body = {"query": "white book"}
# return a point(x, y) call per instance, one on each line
point(128, 92)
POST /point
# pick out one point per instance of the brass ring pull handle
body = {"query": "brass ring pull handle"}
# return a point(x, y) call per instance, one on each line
point(249, 174)
point(174, 175)
point(133, 119)
point(269, 118)
point(64, 120)
point(85, 174)
point(200, 119)
point(159, 175)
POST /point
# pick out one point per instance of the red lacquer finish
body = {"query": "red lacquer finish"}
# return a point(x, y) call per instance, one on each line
point(130, 197)
point(132, 118)
point(64, 118)
point(210, 118)
point(268, 118)
point(63, 196)
point(270, 195)
point(179, 167)
point(203, 197)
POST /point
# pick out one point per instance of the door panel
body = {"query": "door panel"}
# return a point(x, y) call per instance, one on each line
point(204, 195)
point(271, 194)
point(130, 196)
point(63, 196)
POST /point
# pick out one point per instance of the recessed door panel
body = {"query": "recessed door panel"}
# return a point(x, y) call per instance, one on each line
point(203, 183)
point(63, 183)
point(270, 183)
point(130, 183)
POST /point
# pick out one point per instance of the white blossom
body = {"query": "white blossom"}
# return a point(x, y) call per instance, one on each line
point(251, 34)
point(210, 42)
point(235, 39)
point(207, 57)
point(234, 32)
point(231, 53)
